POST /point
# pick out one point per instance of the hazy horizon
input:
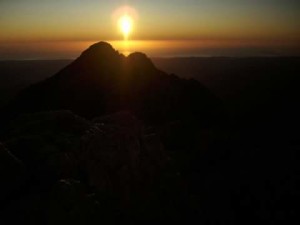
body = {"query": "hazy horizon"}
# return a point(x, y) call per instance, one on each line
point(155, 48)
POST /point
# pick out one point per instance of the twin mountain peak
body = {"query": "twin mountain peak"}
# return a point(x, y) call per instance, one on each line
point(102, 81)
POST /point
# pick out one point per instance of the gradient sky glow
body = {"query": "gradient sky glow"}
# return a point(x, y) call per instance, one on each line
point(258, 22)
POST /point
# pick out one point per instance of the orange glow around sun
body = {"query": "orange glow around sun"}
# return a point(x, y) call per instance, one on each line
point(125, 24)
point(125, 17)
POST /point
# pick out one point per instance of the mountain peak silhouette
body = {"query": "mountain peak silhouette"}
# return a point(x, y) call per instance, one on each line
point(103, 52)
point(103, 81)
point(98, 48)
point(97, 56)
point(140, 60)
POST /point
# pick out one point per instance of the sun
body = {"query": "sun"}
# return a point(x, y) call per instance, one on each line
point(125, 24)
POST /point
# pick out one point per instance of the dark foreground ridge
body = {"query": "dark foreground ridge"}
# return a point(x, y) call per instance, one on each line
point(112, 139)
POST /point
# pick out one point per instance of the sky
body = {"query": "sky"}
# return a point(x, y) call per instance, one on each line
point(41, 28)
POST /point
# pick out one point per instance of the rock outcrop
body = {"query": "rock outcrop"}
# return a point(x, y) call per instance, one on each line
point(78, 170)
point(119, 157)
point(47, 143)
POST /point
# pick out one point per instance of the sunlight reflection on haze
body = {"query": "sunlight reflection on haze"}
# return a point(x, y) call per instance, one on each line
point(153, 48)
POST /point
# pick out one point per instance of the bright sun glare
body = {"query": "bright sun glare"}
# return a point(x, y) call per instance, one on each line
point(125, 23)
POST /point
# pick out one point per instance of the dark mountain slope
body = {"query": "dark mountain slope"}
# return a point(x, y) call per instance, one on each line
point(102, 81)
point(161, 158)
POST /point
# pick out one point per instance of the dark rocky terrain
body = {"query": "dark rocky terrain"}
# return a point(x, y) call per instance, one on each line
point(111, 139)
